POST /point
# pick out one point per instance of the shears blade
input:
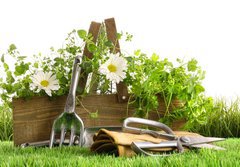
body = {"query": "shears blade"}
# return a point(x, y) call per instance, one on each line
point(208, 146)
point(202, 140)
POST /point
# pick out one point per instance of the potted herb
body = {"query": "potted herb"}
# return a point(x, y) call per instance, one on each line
point(154, 81)
point(154, 84)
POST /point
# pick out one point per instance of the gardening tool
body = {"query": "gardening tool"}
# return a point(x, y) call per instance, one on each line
point(136, 140)
point(173, 140)
point(69, 121)
point(87, 138)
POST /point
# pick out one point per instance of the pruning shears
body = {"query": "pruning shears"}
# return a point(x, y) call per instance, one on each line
point(171, 140)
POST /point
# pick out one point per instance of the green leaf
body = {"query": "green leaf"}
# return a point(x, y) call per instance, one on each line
point(10, 78)
point(21, 69)
point(58, 61)
point(155, 57)
point(119, 36)
point(61, 51)
point(4, 97)
point(91, 47)
point(179, 60)
point(8, 88)
point(6, 67)
point(2, 59)
point(35, 65)
point(73, 50)
point(59, 75)
point(94, 114)
point(192, 65)
point(63, 80)
point(16, 86)
point(82, 33)
point(21, 57)
point(199, 88)
point(108, 43)
point(87, 66)
point(12, 47)
point(129, 58)
point(137, 52)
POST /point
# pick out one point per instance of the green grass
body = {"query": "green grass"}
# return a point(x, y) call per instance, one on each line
point(75, 156)
point(6, 123)
point(223, 122)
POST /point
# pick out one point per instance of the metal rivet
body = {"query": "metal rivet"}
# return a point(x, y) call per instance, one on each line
point(185, 139)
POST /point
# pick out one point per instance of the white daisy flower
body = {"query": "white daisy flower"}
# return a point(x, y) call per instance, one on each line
point(44, 81)
point(114, 68)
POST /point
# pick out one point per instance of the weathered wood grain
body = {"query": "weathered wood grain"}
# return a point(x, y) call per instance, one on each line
point(112, 34)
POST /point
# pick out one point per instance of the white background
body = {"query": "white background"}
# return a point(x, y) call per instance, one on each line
point(205, 29)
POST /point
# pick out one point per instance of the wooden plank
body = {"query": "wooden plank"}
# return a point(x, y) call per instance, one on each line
point(112, 34)
point(94, 30)
point(33, 119)
point(111, 29)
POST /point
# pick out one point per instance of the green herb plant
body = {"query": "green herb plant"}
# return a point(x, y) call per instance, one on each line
point(17, 80)
point(151, 78)
point(147, 77)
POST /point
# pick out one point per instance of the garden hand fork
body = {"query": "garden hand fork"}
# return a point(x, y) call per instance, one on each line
point(69, 121)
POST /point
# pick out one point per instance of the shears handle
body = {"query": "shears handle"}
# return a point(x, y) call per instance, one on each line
point(139, 147)
point(168, 135)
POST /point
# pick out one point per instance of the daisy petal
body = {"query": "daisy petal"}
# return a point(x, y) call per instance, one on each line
point(44, 81)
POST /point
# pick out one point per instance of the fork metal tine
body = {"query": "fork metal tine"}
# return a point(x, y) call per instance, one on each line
point(62, 136)
point(52, 138)
point(72, 136)
point(81, 137)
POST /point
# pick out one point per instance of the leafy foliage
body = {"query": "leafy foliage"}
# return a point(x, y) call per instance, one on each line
point(148, 77)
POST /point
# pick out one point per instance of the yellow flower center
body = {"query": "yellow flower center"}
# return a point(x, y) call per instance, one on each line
point(112, 68)
point(44, 83)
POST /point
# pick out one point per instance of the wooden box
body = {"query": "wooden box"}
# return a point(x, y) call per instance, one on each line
point(33, 118)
